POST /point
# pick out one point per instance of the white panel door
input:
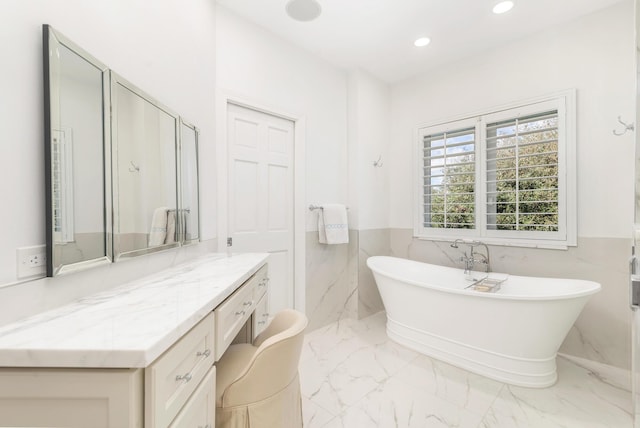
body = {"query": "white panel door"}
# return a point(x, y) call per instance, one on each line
point(260, 194)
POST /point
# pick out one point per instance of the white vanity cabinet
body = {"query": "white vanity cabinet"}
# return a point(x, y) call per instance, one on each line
point(200, 410)
point(233, 314)
point(180, 381)
point(73, 398)
point(133, 361)
point(175, 375)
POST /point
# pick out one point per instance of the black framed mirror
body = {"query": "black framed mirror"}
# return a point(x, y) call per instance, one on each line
point(77, 169)
point(121, 168)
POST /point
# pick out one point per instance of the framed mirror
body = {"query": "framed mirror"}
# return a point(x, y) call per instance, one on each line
point(121, 168)
point(77, 169)
point(189, 184)
point(144, 162)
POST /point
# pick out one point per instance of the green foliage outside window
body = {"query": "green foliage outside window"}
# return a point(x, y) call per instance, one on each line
point(522, 180)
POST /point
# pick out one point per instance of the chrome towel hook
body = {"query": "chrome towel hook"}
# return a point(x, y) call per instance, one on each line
point(627, 127)
point(133, 167)
point(378, 163)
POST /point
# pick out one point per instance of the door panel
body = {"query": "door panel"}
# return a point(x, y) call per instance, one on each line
point(245, 197)
point(260, 162)
point(277, 203)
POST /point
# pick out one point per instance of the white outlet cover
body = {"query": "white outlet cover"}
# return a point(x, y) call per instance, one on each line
point(25, 268)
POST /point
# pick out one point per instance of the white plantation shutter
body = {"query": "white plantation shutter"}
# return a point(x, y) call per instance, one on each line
point(522, 173)
point(506, 177)
point(449, 179)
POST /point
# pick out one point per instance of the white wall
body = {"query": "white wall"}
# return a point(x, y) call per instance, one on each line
point(166, 48)
point(369, 133)
point(259, 67)
point(594, 54)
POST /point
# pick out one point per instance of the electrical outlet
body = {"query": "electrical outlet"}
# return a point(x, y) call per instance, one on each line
point(31, 261)
point(35, 260)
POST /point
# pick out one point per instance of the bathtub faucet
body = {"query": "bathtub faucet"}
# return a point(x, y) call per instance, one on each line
point(470, 260)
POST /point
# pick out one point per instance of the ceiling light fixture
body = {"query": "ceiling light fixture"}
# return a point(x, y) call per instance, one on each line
point(303, 10)
point(502, 7)
point(422, 41)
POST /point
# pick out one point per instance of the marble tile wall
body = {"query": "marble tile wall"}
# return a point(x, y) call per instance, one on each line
point(85, 246)
point(339, 283)
point(373, 242)
point(331, 279)
point(603, 330)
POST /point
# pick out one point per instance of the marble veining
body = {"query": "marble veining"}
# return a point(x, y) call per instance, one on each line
point(330, 283)
point(130, 325)
point(352, 375)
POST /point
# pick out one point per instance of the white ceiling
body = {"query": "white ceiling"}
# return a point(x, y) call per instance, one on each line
point(377, 35)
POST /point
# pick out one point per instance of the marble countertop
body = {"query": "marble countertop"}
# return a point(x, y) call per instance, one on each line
point(130, 325)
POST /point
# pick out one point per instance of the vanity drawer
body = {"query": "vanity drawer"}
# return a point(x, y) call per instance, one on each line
point(260, 288)
point(200, 410)
point(236, 310)
point(261, 316)
point(172, 378)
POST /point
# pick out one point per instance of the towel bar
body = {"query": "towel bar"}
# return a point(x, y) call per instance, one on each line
point(313, 207)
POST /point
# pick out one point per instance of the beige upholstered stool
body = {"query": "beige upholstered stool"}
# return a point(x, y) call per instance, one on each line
point(257, 385)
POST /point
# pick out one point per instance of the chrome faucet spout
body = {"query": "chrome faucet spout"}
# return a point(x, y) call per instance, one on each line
point(486, 255)
point(470, 260)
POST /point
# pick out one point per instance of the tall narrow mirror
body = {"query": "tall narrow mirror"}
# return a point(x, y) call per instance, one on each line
point(76, 149)
point(145, 195)
point(189, 185)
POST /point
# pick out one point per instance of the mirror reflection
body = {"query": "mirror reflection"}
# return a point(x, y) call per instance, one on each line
point(144, 157)
point(120, 184)
point(75, 141)
point(189, 213)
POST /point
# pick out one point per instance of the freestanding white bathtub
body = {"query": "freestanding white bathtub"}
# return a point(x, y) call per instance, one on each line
point(511, 335)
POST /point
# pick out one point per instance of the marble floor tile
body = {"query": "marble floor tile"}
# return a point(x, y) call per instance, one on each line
point(314, 415)
point(353, 376)
point(396, 404)
point(579, 399)
point(467, 390)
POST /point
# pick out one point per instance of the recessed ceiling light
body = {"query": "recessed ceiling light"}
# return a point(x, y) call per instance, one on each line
point(303, 10)
point(502, 7)
point(422, 41)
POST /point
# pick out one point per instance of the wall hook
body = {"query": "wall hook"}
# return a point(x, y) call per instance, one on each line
point(134, 167)
point(627, 127)
point(378, 163)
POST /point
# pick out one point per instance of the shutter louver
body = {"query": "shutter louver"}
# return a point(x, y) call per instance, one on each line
point(522, 173)
point(449, 179)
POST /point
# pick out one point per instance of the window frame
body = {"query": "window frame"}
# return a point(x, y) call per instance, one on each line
point(565, 104)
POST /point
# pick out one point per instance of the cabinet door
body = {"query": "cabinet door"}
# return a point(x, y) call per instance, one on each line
point(175, 375)
point(200, 410)
point(73, 398)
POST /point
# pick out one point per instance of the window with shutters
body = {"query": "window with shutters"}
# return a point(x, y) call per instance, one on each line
point(506, 177)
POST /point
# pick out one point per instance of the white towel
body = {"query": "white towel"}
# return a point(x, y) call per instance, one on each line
point(332, 224)
point(171, 227)
point(158, 232)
